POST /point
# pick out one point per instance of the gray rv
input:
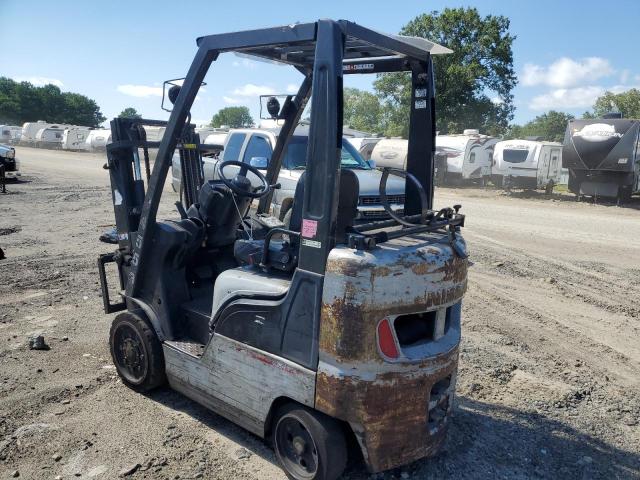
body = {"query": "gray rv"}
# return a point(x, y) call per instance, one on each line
point(603, 157)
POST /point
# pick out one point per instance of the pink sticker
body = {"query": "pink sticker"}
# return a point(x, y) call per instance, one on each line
point(309, 228)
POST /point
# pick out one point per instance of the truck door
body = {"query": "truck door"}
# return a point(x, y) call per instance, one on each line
point(257, 153)
point(232, 149)
point(543, 168)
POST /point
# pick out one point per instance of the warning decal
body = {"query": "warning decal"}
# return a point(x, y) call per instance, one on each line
point(309, 228)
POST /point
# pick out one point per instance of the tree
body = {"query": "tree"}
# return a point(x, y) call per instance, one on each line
point(362, 111)
point(22, 102)
point(550, 126)
point(129, 112)
point(473, 84)
point(627, 103)
point(234, 117)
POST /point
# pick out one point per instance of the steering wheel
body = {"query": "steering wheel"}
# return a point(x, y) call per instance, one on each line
point(261, 191)
point(424, 210)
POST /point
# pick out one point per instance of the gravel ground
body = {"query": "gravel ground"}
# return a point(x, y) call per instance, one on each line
point(549, 381)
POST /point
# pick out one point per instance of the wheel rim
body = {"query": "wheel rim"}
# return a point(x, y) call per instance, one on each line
point(130, 354)
point(296, 448)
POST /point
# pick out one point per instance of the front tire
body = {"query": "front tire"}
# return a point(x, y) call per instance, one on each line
point(136, 352)
point(308, 444)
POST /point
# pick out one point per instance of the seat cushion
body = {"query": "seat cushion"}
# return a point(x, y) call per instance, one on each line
point(246, 281)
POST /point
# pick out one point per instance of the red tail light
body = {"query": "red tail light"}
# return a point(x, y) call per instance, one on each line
point(386, 340)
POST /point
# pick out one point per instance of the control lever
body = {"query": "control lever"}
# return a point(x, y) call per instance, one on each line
point(181, 210)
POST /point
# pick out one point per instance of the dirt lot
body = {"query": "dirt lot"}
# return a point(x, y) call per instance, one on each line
point(549, 383)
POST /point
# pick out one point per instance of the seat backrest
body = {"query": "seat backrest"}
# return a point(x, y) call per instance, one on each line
point(348, 195)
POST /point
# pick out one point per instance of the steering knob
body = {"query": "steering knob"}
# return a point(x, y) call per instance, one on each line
point(457, 207)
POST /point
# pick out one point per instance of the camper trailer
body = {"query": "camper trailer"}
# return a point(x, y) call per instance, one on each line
point(390, 152)
point(364, 145)
point(98, 139)
point(10, 134)
point(30, 130)
point(527, 164)
point(75, 138)
point(468, 155)
point(603, 157)
point(50, 137)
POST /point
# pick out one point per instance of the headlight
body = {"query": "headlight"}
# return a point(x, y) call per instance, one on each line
point(10, 154)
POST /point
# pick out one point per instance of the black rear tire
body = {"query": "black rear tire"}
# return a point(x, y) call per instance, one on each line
point(136, 352)
point(308, 444)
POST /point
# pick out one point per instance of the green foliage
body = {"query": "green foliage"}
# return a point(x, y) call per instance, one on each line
point(234, 117)
point(362, 111)
point(481, 65)
point(129, 112)
point(23, 102)
point(627, 103)
point(550, 126)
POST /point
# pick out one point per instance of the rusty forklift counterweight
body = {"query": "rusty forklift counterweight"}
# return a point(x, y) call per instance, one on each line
point(308, 333)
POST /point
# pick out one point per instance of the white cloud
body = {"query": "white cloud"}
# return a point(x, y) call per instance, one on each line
point(40, 81)
point(624, 76)
point(140, 90)
point(246, 63)
point(496, 100)
point(566, 72)
point(251, 90)
point(231, 100)
point(292, 88)
point(579, 97)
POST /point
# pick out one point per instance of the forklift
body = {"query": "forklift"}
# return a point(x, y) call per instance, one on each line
point(326, 338)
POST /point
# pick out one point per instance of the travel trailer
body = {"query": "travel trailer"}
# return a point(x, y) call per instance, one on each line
point(30, 129)
point(50, 137)
point(468, 155)
point(98, 139)
point(364, 145)
point(390, 152)
point(75, 138)
point(603, 157)
point(527, 164)
point(10, 133)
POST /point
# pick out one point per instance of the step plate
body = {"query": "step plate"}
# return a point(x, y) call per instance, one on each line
point(189, 347)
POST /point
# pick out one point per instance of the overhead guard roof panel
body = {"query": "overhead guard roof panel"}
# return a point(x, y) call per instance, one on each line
point(295, 44)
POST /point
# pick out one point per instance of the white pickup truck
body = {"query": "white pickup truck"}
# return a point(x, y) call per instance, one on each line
point(255, 146)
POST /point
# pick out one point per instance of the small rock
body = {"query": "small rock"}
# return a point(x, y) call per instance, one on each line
point(85, 298)
point(131, 469)
point(65, 338)
point(56, 457)
point(15, 474)
point(243, 453)
point(36, 342)
point(498, 264)
point(550, 280)
point(66, 401)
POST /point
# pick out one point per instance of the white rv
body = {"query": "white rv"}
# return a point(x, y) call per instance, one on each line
point(364, 145)
point(30, 130)
point(50, 137)
point(98, 139)
point(527, 164)
point(468, 155)
point(10, 133)
point(75, 138)
point(390, 152)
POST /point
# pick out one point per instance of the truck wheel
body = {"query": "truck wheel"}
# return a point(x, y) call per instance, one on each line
point(136, 352)
point(308, 444)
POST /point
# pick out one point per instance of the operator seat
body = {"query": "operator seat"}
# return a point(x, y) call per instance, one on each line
point(284, 255)
point(250, 281)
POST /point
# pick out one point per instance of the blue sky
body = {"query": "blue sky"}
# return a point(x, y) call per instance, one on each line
point(119, 52)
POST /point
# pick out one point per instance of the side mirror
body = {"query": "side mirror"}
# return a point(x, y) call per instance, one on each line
point(174, 91)
point(371, 163)
point(259, 162)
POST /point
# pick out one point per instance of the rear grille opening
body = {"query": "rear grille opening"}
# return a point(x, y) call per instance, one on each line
point(439, 404)
point(415, 328)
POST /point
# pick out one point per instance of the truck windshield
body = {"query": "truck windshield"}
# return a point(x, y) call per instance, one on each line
point(295, 158)
point(514, 156)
